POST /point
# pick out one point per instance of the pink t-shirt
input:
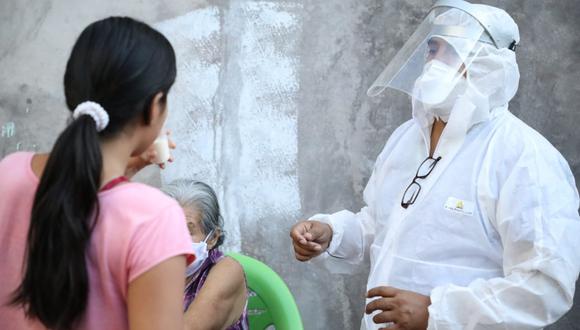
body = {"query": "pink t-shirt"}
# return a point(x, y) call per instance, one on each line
point(138, 228)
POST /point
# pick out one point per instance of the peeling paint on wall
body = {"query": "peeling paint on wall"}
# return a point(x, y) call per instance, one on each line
point(256, 161)
point(194, 118)
point(267, 113)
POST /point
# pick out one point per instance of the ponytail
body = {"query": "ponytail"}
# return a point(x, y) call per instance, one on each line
point(55, 285)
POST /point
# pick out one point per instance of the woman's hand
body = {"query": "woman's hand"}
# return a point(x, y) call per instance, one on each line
point(147, 158)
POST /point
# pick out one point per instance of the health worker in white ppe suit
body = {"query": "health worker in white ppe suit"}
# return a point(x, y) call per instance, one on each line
point(471, 218)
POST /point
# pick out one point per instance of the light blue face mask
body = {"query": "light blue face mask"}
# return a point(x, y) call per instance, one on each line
point(201, 252)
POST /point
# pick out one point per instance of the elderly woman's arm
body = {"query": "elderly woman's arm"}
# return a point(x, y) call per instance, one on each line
point(221, 300)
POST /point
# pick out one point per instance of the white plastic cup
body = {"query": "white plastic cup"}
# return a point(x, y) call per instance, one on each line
point(161, 146)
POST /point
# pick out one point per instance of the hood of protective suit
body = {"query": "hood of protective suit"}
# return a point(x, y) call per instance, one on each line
point(485, 67)
point(489, 81)
point(491, 76)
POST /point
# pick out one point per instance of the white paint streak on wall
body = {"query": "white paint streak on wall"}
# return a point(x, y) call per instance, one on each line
point(196, 38)
point(255, 172)
point(267, 114)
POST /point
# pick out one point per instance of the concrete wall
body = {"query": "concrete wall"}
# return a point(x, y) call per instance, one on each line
point(270, 107)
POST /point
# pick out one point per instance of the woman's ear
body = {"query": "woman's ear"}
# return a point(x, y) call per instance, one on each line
point(212, 241)
point(157, 109)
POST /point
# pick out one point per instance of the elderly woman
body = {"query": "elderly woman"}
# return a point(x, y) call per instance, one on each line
point(215, 291)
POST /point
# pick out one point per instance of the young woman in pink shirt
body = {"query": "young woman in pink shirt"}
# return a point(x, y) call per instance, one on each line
point(81, 246)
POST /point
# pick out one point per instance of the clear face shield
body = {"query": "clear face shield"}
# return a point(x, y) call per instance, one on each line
point(436, 58)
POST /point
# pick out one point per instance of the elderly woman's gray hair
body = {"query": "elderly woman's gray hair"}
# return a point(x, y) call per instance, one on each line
point(202, 198)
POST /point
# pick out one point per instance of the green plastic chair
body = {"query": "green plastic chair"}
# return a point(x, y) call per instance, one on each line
point(270, 301)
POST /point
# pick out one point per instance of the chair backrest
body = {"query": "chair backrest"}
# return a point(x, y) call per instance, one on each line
point(270, 301)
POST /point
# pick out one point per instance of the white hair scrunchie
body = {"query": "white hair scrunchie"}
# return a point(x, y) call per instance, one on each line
point(96, 111)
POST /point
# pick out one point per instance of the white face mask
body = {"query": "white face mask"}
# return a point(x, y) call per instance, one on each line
point(201, 252)
point(438, 88)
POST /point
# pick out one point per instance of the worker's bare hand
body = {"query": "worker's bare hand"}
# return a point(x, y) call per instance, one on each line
point(406, 310)
point(310, 239)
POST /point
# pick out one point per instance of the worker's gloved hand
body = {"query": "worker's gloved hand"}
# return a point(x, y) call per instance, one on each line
point(310, 238)
point(405, 310)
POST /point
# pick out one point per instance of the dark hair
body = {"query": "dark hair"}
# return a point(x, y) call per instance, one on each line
point(121, 64)
point(202, 198)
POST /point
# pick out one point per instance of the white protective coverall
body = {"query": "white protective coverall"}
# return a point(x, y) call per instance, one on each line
point(493, 237)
